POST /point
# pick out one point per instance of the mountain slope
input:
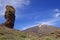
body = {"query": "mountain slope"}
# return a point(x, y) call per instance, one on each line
point(42, 29)
point(11, 34)
point(45, 32)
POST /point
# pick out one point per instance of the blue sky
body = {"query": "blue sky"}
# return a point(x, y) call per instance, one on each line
point(30, 13)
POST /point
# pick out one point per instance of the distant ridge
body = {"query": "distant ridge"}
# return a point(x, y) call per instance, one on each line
point(42, 29)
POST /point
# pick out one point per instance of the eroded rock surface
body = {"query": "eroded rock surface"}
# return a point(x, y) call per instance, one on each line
point(9, 16)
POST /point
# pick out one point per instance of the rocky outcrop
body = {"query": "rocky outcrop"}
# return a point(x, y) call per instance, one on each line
point(9, 16)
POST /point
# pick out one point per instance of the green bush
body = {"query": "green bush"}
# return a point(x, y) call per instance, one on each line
point(2, 38)
point(23, 36)
point(48, 39)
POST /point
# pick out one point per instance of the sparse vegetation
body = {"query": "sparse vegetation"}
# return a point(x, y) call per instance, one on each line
point(10, 34)
point(48, 39)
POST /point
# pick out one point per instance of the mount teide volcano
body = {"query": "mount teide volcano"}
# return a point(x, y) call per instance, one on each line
point(42, 29)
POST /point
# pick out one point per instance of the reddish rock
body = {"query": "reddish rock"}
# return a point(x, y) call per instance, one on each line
point(9, 16)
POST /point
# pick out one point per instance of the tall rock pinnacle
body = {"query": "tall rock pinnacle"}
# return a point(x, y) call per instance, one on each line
point(9, 16)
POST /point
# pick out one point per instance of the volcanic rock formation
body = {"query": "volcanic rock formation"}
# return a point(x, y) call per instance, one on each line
point(9, 16)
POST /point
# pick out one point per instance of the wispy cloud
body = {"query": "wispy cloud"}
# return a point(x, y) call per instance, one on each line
point(56, 13)
point(56, 10)
point(48, 22)
point(16, 3)
point(56, 18)
point(51, 21)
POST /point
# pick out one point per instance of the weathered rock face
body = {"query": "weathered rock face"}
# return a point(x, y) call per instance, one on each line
point(9, 16)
